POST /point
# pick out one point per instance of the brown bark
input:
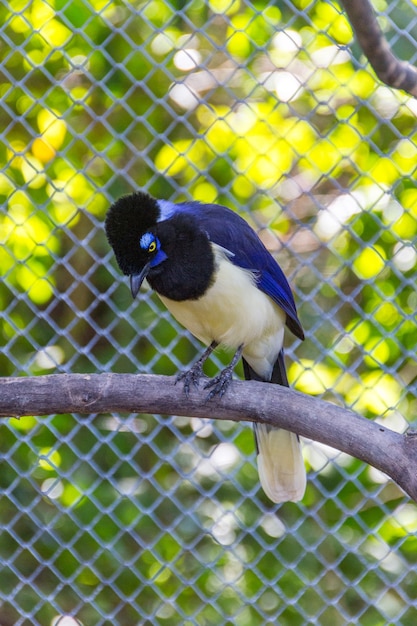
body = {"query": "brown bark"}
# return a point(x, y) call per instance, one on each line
point(392, 453)
point(388, 68)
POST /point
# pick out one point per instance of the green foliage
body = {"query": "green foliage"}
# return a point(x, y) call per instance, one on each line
point(258, 107)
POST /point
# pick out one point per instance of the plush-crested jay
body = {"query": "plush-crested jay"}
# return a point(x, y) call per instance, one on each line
point(213, 273)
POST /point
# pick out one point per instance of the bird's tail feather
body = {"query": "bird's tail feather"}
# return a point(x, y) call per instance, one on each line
point(280, 463)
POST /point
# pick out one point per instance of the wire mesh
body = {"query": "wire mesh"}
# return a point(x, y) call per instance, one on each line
point(271, 110)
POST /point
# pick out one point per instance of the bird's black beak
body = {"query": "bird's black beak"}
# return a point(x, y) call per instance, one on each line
point(136, 280)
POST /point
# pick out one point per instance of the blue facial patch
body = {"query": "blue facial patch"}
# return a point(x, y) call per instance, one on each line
point(146, 240)
point(151, 244)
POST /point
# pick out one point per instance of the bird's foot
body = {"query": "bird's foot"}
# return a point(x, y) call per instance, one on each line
point(219, 383)
point(191, 377)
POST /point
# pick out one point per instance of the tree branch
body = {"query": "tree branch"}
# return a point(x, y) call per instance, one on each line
point(388, 68)
point(392, 453)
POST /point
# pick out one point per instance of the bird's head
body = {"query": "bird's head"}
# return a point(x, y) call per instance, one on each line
point(170, 249)
point(130, 227)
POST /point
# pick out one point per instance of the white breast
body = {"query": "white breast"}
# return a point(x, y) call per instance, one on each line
point(233, 312)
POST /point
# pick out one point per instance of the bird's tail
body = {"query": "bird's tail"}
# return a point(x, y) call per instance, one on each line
point(280, 463)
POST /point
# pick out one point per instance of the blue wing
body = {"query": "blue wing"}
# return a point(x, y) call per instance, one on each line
point(227, 229)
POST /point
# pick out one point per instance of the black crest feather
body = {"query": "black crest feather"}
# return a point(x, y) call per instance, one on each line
point(127, 219)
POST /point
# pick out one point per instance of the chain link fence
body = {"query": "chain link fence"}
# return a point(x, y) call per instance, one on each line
point(269, 109)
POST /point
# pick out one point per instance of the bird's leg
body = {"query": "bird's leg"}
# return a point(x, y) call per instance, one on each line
point(195, 372)
point(221, 382)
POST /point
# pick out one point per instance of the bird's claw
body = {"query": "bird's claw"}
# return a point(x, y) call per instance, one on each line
point(191, 378)
point(219, 383)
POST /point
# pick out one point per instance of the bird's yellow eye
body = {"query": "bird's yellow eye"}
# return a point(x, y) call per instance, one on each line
point(149, 243)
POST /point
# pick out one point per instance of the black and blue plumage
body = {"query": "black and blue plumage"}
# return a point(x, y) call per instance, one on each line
point(216, 277)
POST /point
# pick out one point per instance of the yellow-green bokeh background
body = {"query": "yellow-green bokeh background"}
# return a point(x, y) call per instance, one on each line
point(271, 110)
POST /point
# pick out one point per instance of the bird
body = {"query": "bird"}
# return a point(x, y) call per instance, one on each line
point(213, 273)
